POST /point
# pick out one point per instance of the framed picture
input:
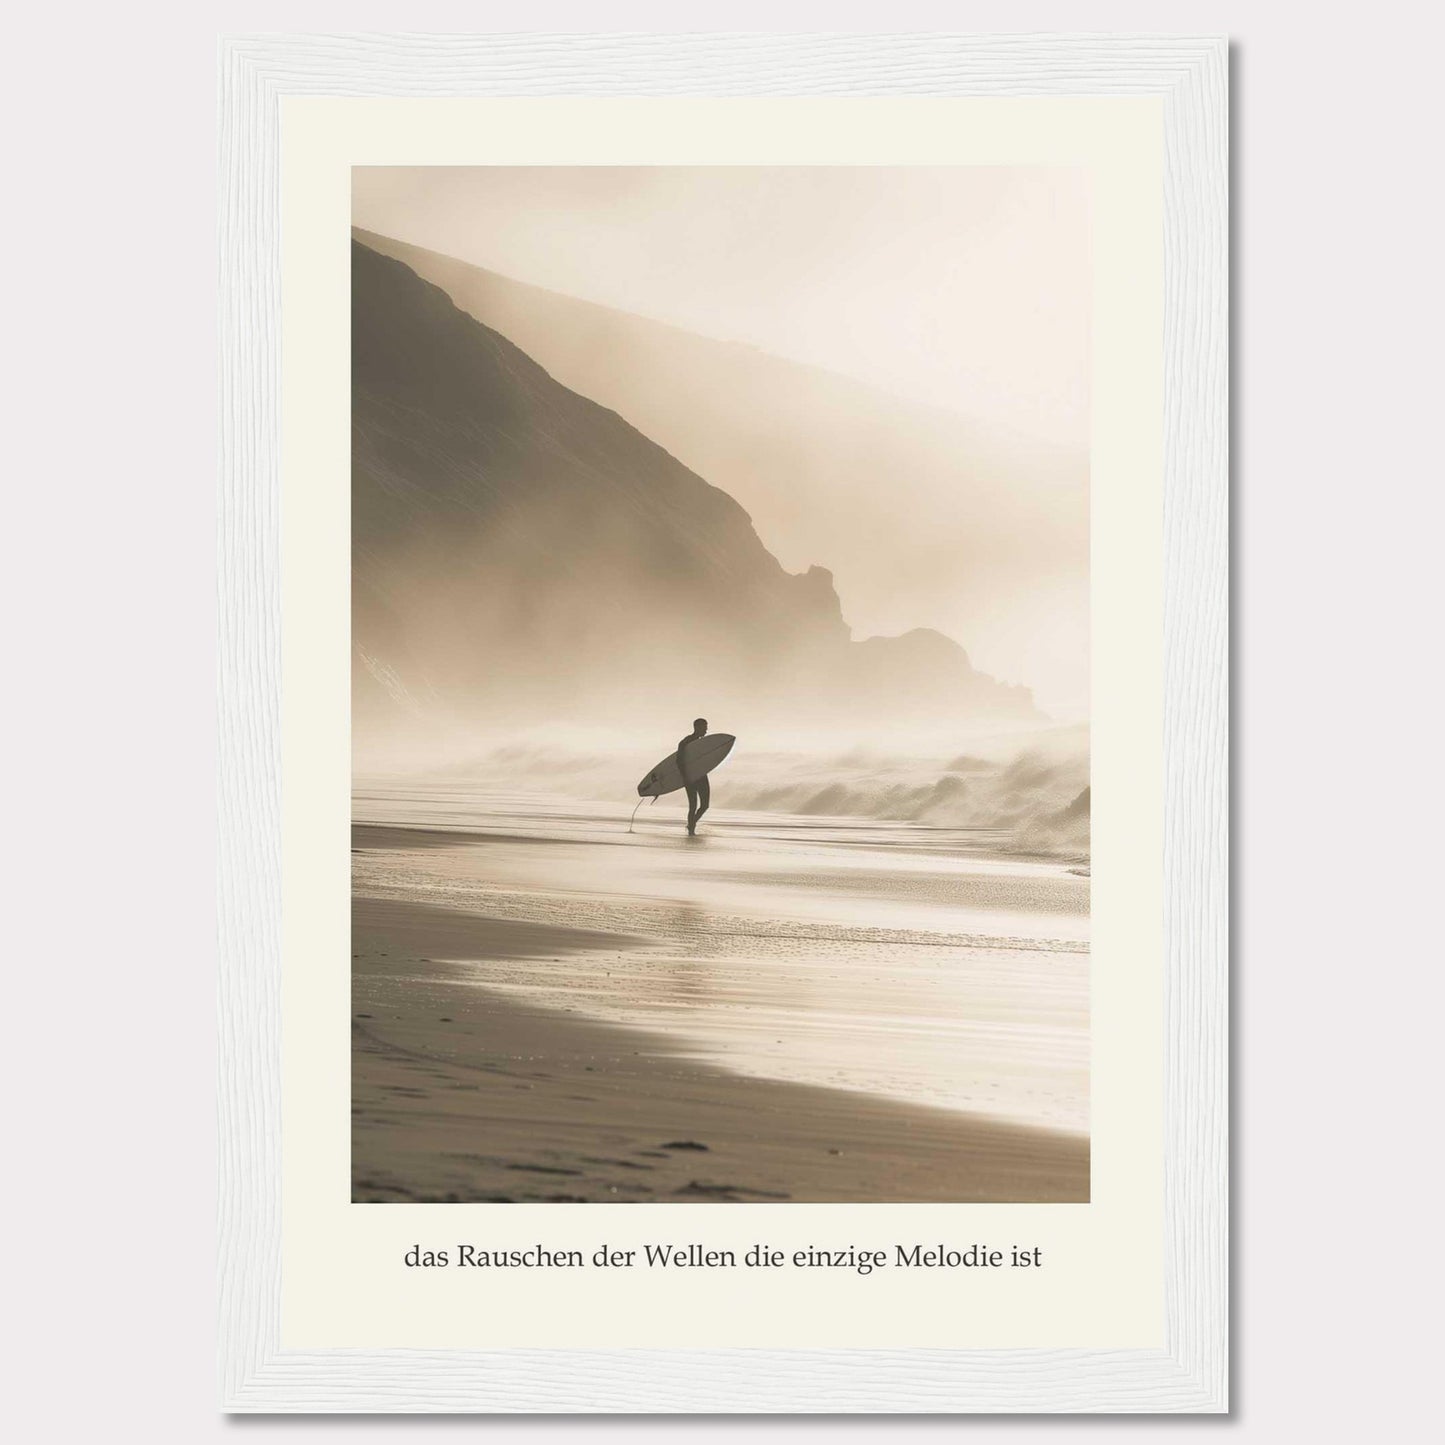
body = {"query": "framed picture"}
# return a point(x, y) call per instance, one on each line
point(724, 718)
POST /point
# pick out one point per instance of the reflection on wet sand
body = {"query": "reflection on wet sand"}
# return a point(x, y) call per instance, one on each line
point(852, 1010)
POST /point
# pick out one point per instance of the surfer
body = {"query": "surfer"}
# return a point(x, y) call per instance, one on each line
point(687, 766)
point(698, 793)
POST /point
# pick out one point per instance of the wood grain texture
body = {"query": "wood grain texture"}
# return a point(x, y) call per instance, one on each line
point(1190, 1373)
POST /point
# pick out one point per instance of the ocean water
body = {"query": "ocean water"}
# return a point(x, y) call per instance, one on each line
point(915, 962)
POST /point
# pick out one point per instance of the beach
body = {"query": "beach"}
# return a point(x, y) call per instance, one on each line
point(548, 1007)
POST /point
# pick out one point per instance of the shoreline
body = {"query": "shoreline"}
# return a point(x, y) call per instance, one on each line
point(461, 1092)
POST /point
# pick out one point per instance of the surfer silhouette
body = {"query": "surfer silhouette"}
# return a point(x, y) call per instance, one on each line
point(687, 766)
point(699, 794)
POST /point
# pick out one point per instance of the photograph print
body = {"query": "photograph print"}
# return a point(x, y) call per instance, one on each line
point(720, 684)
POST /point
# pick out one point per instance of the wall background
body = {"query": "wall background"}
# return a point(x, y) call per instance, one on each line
point(107, 594)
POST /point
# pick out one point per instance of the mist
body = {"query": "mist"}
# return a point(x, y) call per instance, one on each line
point(885, 368)
point(524, 560)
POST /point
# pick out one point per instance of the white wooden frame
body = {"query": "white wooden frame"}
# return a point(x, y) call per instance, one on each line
point(1189, 1374)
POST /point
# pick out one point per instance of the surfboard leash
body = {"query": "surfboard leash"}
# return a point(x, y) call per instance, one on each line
point(640, 802)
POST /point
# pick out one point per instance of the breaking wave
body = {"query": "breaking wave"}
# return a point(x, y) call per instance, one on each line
point(1030, 791)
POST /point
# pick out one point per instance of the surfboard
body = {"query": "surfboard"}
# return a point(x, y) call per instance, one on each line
point(702, 755)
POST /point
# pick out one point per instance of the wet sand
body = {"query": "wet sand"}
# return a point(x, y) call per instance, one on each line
point(532, 1023)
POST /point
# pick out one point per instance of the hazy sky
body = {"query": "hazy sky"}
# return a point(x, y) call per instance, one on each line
point(961, 287)
point(965, 288)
